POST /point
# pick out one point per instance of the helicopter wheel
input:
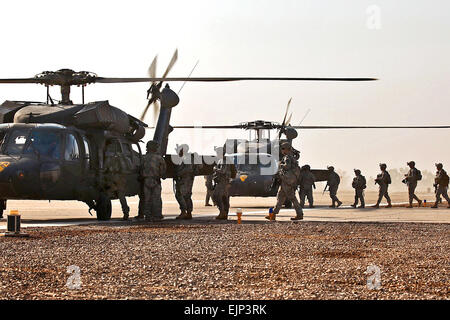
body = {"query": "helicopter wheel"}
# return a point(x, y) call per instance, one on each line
point(104, 207)
point(2, 207)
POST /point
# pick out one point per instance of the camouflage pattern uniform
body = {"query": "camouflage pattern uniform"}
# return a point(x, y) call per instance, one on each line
point(209, 190)
point(383, 179)
point(153, 169)
point(359, 184)
point(411, 179)
point(184, 180)
point(287, 176)
point(307, 184)
point(223, 173)
point(115, 178)
point(441, 184)
point(333, 184)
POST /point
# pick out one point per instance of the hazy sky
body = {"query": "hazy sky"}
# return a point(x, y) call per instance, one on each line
point(409, 53)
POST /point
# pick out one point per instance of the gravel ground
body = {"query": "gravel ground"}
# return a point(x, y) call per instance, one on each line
point(306, 260)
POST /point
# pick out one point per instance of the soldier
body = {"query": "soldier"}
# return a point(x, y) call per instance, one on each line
point(209, 190)
point(184, 180)
point(441, 185)
point(153, 169)
point(115, 175)
point(411, 179)
point(307, 184)
point(288, 179)
point(359, 184)
point(384, 180)
point(333, 184)
point(223, 173)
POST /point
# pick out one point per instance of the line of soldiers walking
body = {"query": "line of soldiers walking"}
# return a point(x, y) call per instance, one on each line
point(288, 179)
point(290, 176)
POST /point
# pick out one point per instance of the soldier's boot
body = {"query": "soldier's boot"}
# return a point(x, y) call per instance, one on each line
point(222, 215)
point(410, 204)
point(376, 206)
point(363, 204)
point(182, 215)
point(299, 216)
point(353, 205)
point(339, 203)
point(419, 203)
point(389, 204)
point(435, 205)
point(188, 216)
point(333, 205)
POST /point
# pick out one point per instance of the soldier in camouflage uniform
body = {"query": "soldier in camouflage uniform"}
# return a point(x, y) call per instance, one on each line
point(333, 184)
point(209, 190)
point(384, 180)
point(184, 180)
point(411, 179)
point(287, 176)
point(359, 184)
point(223, 173)
point(307, 184)
point(441, 184)
point(115, 176)
point(153, 169)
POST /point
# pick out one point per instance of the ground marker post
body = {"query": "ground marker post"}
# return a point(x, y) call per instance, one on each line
point(13, 225)
point(239, 215)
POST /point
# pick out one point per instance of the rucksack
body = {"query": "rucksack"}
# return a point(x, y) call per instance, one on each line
point(419, 175)
point(444, 180)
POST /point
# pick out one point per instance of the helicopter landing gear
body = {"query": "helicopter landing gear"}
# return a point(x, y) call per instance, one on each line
point(103, 207)
point(2, 207)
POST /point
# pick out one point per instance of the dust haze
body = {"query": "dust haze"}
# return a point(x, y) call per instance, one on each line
point(407, 50)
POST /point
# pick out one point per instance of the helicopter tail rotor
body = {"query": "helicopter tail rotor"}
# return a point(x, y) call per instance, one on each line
point(283, 124)
point(154, 92)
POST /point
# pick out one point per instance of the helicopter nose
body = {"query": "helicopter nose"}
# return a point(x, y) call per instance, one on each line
point(16, 177)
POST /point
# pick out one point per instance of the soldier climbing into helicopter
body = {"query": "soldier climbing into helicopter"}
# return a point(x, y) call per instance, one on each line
point(116, 169)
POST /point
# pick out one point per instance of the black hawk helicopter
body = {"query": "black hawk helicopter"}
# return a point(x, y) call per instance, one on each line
point(256, 159)
point(56, 151)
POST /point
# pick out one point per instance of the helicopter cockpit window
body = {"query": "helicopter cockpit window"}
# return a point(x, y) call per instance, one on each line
point(16, 142)
point(72, 151)
point(44, 143)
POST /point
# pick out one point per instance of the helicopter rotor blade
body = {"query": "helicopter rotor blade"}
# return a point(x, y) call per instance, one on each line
point(156, 109)
point(171, 63)
point(283, 124)
point(210, 79)
point(371, 127)
point(209, 127)
point(152, 68)
point(288, 121)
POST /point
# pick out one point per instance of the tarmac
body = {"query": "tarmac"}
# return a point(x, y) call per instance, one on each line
point(64, 213)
